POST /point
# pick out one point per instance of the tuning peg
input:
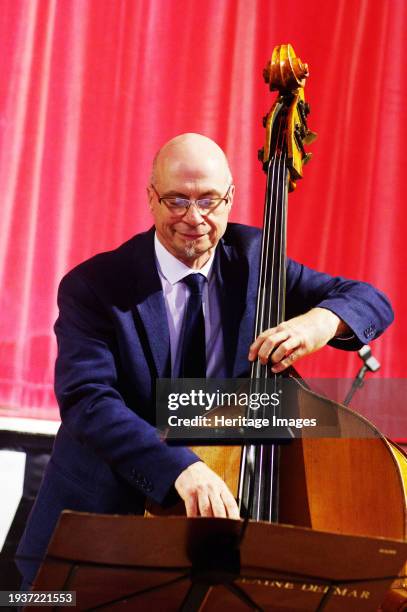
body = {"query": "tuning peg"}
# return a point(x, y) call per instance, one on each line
point(306, 158)
point(304, 110)
point(260, 154)
point(264, 120)
point(301, 130)
point(291, 185)
point(310, 137)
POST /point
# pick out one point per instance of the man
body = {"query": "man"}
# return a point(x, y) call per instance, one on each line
point(120, 328)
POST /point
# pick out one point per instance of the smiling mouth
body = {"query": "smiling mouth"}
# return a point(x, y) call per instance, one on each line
point(192, 236)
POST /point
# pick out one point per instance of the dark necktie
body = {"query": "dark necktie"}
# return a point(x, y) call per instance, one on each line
point(193, 357)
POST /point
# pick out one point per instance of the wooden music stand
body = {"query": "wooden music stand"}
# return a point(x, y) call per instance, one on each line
point(175, 563)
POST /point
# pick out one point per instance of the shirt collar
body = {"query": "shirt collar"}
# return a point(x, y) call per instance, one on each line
point(173, 269)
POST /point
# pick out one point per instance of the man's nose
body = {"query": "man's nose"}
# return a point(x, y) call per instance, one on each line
point(193, 214)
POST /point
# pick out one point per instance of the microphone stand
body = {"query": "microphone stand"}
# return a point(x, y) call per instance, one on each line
point(370, 364)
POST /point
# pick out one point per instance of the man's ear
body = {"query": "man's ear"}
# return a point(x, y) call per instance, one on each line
point(231, 195)
point(150, 195)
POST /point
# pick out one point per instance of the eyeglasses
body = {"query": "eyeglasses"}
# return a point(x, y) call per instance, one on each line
point(179, 206)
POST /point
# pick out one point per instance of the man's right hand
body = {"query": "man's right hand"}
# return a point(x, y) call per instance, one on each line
point(205, 493)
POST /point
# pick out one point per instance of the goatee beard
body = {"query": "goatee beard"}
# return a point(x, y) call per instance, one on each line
point(190, 250)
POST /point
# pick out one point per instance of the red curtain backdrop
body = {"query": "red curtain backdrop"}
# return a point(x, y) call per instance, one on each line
point(90, 89)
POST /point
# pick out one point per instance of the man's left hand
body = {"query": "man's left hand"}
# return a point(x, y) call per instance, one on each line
point(297, 337)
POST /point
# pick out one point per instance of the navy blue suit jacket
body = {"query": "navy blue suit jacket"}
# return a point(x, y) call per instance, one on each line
point(113, 342)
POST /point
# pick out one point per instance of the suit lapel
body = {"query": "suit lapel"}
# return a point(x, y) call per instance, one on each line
point(150, 306)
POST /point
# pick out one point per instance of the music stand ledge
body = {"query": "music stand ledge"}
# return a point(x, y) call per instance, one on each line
point(117, 562)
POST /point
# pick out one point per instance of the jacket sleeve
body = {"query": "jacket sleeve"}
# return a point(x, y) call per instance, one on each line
point(366, 310)
point(91, 405)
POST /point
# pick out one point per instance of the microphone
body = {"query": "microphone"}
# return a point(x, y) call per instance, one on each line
point(370, 363)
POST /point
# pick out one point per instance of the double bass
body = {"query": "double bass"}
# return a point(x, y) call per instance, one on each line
point(337, 481)
point(355, 482)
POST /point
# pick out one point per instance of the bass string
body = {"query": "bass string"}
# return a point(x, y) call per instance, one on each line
point(265, 457)
point(275, 313)
point(278, 267)
point(250, 458)
point(272, 214)
point(258, 452)
point(254, 457)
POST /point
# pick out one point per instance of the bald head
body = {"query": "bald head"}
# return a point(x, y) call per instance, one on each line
point(190, 168)
point(191, 153)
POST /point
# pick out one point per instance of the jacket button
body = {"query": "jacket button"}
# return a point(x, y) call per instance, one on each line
point(369, 331)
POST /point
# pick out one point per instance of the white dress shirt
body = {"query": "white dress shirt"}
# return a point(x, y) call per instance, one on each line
point(176, 293)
